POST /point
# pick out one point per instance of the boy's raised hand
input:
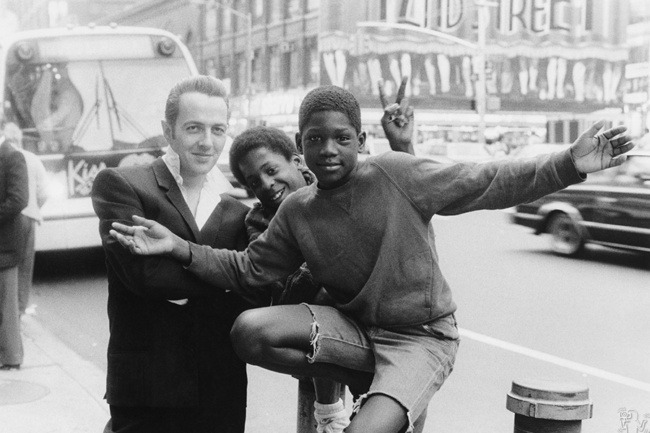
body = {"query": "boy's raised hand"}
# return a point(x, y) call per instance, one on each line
point(594, 151)
point(397, 120)
point(147, 237)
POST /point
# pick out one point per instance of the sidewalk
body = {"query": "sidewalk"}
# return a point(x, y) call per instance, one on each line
point(55, 390)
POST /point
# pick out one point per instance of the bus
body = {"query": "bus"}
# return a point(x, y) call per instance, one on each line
point(87, 98)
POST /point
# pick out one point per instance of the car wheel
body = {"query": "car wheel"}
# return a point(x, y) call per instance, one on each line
point(566, 238)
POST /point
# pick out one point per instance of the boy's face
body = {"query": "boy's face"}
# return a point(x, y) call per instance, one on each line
point(271, 176)
point(199, 134)
point(330, 145)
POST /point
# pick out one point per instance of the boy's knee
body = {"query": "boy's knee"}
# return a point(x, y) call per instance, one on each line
point(247, 336)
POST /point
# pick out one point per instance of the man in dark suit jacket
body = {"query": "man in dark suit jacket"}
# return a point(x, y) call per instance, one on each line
point(171, 367)
point(14, 195)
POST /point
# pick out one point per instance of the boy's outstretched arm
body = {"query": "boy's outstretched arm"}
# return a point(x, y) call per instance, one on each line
point(148, 238)
point(397, 120)
point(594, 151)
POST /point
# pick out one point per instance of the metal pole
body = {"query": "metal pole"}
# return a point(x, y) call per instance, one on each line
point(249, 65)
point(306, 423)
point(481, 95)
point(480, 86)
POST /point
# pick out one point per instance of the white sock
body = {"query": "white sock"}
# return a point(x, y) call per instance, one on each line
point(331, 418)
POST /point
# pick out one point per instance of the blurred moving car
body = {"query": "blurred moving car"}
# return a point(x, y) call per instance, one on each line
point(611, 208)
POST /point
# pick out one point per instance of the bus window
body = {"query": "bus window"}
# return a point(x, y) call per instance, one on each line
point(56, 108)
point(91, 105)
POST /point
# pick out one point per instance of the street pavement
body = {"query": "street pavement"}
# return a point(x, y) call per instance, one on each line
point(58, 391)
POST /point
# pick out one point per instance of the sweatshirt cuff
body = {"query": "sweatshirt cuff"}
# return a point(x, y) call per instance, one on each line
point(567, 170)
point(188, 266)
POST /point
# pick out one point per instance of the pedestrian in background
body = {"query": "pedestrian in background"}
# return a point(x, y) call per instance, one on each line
point(171, 366)
point(31, 215)
point(14, 195)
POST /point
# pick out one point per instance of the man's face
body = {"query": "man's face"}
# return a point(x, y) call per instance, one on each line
point(199, 134)
point(330, 145)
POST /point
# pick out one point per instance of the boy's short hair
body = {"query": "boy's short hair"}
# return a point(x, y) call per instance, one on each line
point(257, 137)
point(330, 98)
point(204, 84)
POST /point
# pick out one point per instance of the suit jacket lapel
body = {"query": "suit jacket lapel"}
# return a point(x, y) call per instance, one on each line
point(167, 183)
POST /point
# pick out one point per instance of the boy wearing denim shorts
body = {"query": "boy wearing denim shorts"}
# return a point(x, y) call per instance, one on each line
point(364, 231)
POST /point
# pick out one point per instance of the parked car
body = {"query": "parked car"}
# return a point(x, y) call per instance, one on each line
point(611, 208)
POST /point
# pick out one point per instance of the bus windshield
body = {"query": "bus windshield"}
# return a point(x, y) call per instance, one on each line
point(91, 105)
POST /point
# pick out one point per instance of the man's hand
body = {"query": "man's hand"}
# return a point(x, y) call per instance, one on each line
point(397, 120)
point(594, 151)
point(145, 238)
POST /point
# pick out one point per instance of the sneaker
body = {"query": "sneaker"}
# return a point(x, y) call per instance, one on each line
point(331, 418)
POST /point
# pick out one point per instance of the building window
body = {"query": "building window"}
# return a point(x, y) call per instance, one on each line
point(258, 62)
point(293, 9)
point(211, 67)
point(226, 21)
point(237, 24)
point(242, 81)
point(274, 68)
point(211, 24)
point(286, 69)
point(295, 69)
point(57, 11)
point(313, 5)
point(257, 9)
point(276, 12)
point(311, 65)
point(225, 70)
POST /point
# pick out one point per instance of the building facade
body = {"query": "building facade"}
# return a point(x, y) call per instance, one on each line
point(550, 66)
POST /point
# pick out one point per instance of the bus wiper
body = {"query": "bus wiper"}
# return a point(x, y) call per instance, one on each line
point(85, 122)
point(117, 109)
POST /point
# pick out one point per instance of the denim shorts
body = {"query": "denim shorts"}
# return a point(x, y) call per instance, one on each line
point(410, 363)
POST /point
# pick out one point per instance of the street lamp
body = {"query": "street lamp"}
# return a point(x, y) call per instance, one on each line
point(481, 94)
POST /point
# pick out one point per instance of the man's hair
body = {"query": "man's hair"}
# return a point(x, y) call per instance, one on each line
point(204, 84)
point(258, 137)
point(330, 98)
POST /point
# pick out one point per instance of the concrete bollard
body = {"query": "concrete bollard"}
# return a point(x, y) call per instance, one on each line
point(542, 406)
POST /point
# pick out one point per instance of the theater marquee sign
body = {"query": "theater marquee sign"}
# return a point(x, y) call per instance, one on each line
point(542, 55)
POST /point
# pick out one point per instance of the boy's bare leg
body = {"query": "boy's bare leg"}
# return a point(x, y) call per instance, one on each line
point(327, 391)
point(379, 414)
point(278, 338)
